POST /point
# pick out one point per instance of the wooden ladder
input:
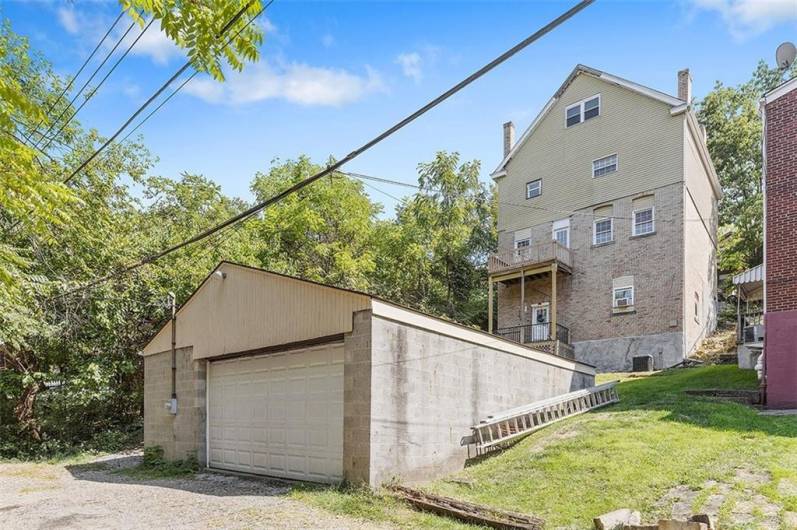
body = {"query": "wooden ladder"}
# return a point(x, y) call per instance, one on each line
point(521, 421)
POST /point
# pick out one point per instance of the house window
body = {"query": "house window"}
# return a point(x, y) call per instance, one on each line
point(603, 231)
point(603, 166)
point(534, 189)
point(583, 110)
point(560, 232)
point(623, 297)
point(643, 222)
point(522, 243)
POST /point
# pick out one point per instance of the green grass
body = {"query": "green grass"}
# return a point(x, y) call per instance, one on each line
point(624, 456)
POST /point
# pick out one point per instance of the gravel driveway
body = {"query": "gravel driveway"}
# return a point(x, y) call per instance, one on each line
point(47, 496)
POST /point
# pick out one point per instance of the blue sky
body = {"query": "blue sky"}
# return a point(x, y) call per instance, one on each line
point(333, 74)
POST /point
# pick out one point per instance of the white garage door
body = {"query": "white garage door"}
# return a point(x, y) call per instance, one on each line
point(278, 414)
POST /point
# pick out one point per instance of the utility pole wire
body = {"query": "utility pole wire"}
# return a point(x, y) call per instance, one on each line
point(152, 98)
point(31, 132)
point(94, 73)
point(352, 155)
point(102, 81)
point(156, 94)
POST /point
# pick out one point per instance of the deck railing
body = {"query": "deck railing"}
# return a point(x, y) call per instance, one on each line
point(530, 333)
point(508, 259)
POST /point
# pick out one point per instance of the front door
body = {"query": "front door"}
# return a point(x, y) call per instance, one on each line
point(540, 328)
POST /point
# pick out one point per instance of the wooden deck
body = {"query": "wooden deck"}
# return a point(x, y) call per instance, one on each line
point(508, 261)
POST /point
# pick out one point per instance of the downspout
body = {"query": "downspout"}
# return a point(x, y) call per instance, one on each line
point(173, 402)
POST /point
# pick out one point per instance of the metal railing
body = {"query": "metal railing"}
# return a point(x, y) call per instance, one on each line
point(530, 333)
point(508, 259)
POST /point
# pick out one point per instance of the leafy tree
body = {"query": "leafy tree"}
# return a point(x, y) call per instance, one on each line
point(323, 233)
point(433, 255)
point(733, 123)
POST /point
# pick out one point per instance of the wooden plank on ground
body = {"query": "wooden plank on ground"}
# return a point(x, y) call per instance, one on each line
point(467, 511)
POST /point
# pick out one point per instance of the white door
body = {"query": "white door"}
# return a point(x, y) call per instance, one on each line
point(278, 414)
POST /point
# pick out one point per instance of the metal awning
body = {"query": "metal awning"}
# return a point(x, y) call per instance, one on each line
point(750, 282)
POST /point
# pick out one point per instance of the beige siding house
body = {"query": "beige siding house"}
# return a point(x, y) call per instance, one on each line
point(607, 225)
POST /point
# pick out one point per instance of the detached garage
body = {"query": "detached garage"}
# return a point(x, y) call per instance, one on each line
point(278, 376)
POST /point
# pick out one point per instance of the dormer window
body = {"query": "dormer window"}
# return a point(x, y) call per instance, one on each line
point(583, 110)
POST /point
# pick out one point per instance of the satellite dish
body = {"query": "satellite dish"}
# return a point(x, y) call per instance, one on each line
point(785, 55)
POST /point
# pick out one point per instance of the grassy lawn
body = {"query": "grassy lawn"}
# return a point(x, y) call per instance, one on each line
point(629, 455)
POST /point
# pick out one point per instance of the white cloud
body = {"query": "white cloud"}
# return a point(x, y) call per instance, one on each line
point(155, 45)
point(68, 20)
point(746, 17)
point(297, 83)
point(411, 65)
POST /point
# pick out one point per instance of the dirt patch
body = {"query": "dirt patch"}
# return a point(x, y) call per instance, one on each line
point(95, 495)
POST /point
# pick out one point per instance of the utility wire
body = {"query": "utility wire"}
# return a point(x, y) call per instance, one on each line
point(154, 96)
point(351, 156)
point(82, 88)
point(107, 75)
point(74, 77)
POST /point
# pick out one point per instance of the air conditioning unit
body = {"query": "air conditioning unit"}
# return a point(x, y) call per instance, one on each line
point(643, 363)
point(623, 302)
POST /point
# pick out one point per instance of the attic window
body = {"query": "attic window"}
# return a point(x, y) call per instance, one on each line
point(583, 110)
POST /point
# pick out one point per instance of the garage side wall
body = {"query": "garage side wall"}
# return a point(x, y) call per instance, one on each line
point(427, 389)
point(182, 435)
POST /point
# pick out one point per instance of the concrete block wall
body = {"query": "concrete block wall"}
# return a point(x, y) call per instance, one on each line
point(357, 400)
point(427, 389)
point(585, 297)
point(181, 435)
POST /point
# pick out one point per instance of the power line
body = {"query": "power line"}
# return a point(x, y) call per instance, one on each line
point(157, 93)
point(354, 154)
point(82, 88)
point(383, 180)
point(71, 81)
point(105, 78)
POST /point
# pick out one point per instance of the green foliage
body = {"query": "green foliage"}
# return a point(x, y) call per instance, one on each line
point(155, 467)
point(733, 123)
point(432, 255)
point(198, 26)
point(322, 233)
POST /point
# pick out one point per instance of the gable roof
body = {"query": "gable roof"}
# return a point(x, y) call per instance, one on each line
point(676, 105)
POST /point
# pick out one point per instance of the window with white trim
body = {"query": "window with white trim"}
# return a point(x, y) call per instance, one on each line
point(534, 189)
point(522, 243)
point(644, 222)
point(583, 110)
point(604, 166)
point(602, 231)
point(623, 297)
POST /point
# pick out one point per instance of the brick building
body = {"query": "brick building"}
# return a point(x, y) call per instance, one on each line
point(607, 225)
point(779, 109)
